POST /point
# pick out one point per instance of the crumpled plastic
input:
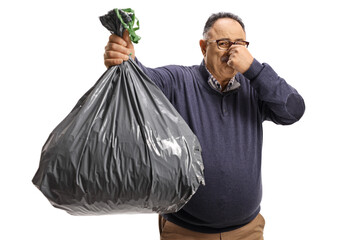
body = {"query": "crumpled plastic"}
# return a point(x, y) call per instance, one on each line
point(123, 148)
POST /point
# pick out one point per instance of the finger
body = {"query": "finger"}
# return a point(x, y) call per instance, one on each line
point(114, 47)
point(112, 62)
point(236, 49)
point(117, 40)
point(233, 50)
point(113, 55)
point(231, 61)
point(115, 61)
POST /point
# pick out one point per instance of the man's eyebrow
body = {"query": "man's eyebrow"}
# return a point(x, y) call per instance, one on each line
point(238, 39)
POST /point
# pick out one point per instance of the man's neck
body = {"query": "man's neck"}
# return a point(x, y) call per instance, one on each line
point(223, 81)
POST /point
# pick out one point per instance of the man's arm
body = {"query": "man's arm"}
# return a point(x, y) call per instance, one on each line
point(118, 50)
point(279, 102)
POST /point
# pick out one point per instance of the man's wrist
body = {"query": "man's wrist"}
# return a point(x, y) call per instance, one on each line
point(254, 70)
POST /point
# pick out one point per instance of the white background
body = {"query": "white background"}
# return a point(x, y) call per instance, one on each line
point(52, 52)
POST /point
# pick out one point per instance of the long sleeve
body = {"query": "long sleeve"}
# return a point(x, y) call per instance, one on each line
point(278, 101)
point(161, 76)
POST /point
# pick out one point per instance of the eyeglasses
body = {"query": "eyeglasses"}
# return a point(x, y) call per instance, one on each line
point(225, 44)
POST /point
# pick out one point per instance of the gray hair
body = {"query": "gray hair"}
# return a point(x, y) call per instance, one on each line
point(216, 16)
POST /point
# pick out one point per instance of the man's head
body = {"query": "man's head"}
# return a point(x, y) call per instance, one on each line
point(220, 26)
point(214, 17)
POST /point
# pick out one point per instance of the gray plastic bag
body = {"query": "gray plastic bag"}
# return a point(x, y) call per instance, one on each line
point(123, 148)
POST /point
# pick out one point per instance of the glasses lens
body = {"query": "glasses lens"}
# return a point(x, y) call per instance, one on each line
point(224, 44)
point(242, 43)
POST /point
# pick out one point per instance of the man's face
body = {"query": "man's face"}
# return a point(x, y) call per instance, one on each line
point(216, 59)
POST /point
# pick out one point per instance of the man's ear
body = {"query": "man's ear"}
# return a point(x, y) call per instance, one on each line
point(202, 43)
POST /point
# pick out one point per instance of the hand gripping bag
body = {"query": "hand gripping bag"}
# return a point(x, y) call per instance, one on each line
point(123, 148)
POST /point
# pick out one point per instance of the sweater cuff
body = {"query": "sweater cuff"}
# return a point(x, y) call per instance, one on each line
point(254, 70)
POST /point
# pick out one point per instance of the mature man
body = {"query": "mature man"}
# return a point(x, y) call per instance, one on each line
point(224, 100)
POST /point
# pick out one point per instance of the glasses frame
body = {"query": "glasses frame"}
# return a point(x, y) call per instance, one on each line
point(231, 43)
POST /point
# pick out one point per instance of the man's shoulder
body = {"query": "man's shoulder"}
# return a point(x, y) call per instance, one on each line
point(182, 67)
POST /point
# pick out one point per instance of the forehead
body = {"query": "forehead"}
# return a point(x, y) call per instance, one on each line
point(226, 28)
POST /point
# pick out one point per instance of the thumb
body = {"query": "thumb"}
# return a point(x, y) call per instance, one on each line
point(126, 38)
point(129, 44)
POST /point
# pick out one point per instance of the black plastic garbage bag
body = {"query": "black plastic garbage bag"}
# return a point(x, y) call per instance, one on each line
point(123, 148)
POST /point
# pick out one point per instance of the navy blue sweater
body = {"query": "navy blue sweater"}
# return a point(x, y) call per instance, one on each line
point(229, 128)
